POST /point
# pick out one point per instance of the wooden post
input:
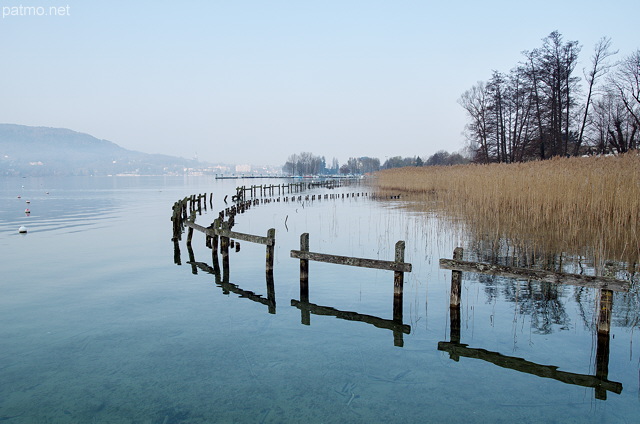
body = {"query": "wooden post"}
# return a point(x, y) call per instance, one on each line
point(189, 236)
point(214, 248)
point(304, 279)
point(176, 252)
point(604, 316)
point(454, 303)
point(398, 283)
point(270, 248)
point(304, 269)
point(224, 249)
point(214, 238)
point(456, 279)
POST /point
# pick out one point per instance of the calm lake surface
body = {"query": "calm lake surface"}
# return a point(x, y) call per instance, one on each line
point(99, 324)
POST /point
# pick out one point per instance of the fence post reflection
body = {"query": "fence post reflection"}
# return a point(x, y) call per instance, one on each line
point(602, 348)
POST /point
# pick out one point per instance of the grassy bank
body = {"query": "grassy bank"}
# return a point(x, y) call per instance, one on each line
point(580, 206)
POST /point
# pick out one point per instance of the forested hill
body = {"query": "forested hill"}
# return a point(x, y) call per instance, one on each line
point(42, 151)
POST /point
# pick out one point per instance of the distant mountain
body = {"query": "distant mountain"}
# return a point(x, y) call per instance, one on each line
point(42, 151)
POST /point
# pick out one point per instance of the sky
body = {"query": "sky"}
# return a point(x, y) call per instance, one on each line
point(253, 82)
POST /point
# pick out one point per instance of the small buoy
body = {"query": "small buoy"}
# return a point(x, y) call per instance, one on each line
point(22, 229)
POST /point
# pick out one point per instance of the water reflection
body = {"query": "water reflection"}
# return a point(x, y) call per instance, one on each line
point(307, 308)
point(396, 325)
point(547, 302)
point(521, 252)
point(599, 381)
point(222, 281)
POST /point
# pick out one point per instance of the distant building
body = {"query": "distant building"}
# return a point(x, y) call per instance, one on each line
point(243, 168)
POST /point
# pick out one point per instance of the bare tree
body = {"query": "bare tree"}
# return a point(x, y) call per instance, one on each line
point(626, 81)
point(599, 67)
point(477, 104)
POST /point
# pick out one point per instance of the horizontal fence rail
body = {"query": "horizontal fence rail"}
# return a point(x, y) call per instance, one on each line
point(351, 261)
point(221, 232)
point(536, 274)
point(398, 265)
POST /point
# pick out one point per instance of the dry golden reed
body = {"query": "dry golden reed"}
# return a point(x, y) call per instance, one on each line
point(579, 206)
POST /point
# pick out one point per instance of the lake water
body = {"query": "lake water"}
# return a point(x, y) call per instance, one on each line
point(99, 324)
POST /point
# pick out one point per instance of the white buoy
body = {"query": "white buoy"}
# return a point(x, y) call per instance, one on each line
point(22, 229)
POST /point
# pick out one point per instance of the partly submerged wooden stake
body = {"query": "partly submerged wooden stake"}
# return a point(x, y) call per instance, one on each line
point(456, 279)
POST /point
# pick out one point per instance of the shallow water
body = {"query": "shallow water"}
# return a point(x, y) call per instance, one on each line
point(99, 324)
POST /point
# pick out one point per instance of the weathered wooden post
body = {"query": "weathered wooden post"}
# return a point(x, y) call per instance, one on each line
point(175, 220)
point(189, 236)
point(214, 246)
point(456, 279)
point(454, 304)
point(271, 235)
point(304, 280)
point(224, 250)
point(604, 316)
point(176, 252)
point(398, 288)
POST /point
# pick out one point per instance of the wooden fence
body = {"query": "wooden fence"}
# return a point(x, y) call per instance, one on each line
point(606, 285)
point(220, 230)
point(270, 189)
point(398, 266)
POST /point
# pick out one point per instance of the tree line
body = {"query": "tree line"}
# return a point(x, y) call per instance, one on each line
point(306, 163)
point(539, 109)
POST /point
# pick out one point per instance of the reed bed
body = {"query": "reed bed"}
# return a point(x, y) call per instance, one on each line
point(587, 207)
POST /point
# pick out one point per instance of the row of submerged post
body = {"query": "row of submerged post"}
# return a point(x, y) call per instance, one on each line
point(219, 231)
point(245, 197)
point(270, 189)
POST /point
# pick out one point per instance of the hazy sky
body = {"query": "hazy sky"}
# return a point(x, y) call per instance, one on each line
point(242, 81)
